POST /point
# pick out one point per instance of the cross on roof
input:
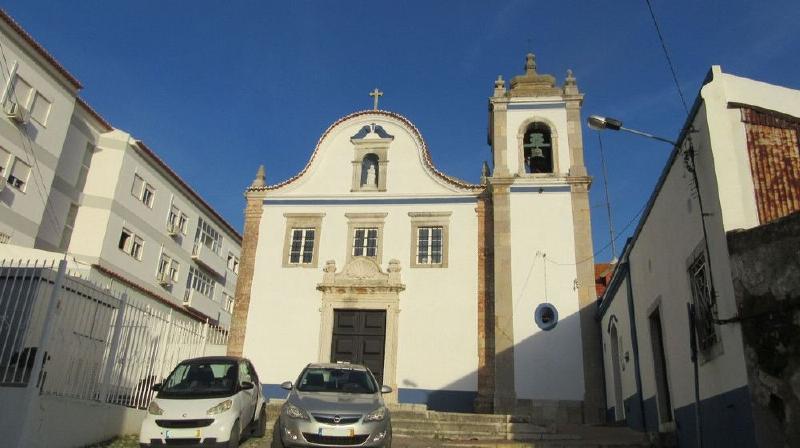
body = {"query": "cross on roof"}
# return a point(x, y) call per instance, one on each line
point(376, 94)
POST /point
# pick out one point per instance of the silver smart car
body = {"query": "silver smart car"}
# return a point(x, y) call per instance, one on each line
point(335, 404)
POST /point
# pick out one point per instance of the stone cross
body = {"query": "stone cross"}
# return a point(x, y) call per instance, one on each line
point(376, 94)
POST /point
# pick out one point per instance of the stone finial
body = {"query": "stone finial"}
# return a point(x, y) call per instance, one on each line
point(485, 172)
point(260, 180)
point(499, 86)
point(530, 64)
point(570, 84)
point(329, 272)
point(394, 271)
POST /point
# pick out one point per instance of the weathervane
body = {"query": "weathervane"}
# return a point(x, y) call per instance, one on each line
point(376, 94)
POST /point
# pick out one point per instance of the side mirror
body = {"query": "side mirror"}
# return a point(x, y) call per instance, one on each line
point(247, 385)
point(286, 385)
point(386, 389)
point(156, 387)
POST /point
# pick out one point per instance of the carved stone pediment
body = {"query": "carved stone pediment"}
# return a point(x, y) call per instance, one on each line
point(361, 275)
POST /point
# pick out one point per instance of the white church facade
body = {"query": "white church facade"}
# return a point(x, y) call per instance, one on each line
point(463, 297)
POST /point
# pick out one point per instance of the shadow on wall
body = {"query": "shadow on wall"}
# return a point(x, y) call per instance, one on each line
point(460, 394)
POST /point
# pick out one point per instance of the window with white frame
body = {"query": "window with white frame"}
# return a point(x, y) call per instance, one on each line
point(200, 282)
point(20, 92)
point(40, 108)
point(365, 242)
point(177, 220)
point(429, 245)
point(131, 244)
point(5, 162)
point(301, 250)
point(705, 304)
point(227, 302)
point(20, 172)
point(167, 268)
point(429, 239)
point(208, 236)
point(143, 191)
point(233, 263)
point(301, 247)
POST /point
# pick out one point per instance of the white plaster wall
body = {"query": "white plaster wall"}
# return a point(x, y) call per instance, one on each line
point(659, 273)
point(550, 111)
point(619, 309)
point(547, 364)
point(437, 331)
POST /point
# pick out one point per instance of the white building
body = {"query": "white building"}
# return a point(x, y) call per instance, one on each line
point(458, 296)
point(73, 183)
point(747, 162)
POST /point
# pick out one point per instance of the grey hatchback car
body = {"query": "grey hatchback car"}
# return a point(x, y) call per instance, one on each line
point(335, 405)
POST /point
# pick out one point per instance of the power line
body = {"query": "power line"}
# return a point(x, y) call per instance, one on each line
point(666, 55)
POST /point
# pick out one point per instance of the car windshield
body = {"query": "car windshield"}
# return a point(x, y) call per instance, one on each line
point(201, 379)
point(322, 379)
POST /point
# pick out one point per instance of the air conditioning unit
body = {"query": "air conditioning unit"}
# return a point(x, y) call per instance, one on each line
point(17, 113)
point(172, 229)
point(164, 279)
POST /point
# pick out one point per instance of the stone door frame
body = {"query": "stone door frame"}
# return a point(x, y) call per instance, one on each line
point(361, 285)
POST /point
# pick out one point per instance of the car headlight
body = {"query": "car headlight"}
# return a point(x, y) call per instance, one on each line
point(220, 407)
point(154, 408)
point(295, 412)
point(377, 415)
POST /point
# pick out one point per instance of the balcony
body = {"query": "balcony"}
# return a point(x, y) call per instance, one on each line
point(208, 259)
point(200, 303)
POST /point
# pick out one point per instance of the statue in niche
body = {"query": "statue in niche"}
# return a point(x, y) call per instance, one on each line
point(371, 176)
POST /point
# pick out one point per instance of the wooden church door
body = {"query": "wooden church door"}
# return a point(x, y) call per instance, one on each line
point(359, 337)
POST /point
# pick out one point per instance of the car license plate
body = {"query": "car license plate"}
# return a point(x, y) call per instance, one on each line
point(337, 432)
point(182, 434)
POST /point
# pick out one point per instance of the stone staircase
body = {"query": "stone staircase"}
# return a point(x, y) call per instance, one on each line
point(414, 426)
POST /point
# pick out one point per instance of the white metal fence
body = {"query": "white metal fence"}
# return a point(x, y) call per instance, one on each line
point(65, 336)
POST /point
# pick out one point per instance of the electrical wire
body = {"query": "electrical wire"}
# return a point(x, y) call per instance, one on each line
point(669, 59)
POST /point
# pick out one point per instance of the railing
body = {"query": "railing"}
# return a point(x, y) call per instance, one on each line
point(68, 337)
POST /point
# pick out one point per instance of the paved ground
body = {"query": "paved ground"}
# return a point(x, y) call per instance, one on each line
point(133, 442)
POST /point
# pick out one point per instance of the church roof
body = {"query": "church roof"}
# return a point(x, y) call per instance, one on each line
point(426, 153)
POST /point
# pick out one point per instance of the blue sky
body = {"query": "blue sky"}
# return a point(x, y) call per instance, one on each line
point(217, 88)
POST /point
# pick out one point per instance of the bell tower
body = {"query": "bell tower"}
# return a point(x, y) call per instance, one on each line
point(542, 247)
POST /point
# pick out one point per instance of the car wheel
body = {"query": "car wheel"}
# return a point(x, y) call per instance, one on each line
point(277, 437)
point(260, 425)
point(233, 440)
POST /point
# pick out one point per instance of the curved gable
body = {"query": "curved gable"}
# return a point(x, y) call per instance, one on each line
point(406, 159)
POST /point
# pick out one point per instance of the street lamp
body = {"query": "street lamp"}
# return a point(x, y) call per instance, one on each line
point(599, 123)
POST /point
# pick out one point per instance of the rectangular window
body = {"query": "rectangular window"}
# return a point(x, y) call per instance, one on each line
point(176, 221)
point(131, 244)
point(300, 242)
point(5, 161)
point(69, 225)
point(208, 236)
point(365, 242)
point(200, 282)
point(85, 164)
point(143, 191)
point(705, 304)
point(429, 239)
point(167, 268)
point(429, 245)
point(302, 248)
point(227, 304)
point(20, 172)
point(20, 92)
point(233, 263)
point(40, 108)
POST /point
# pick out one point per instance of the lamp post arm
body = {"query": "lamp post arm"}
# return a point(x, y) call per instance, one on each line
point(645, 134)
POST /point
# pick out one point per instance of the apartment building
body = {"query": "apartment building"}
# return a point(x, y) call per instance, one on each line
point(72, 183)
